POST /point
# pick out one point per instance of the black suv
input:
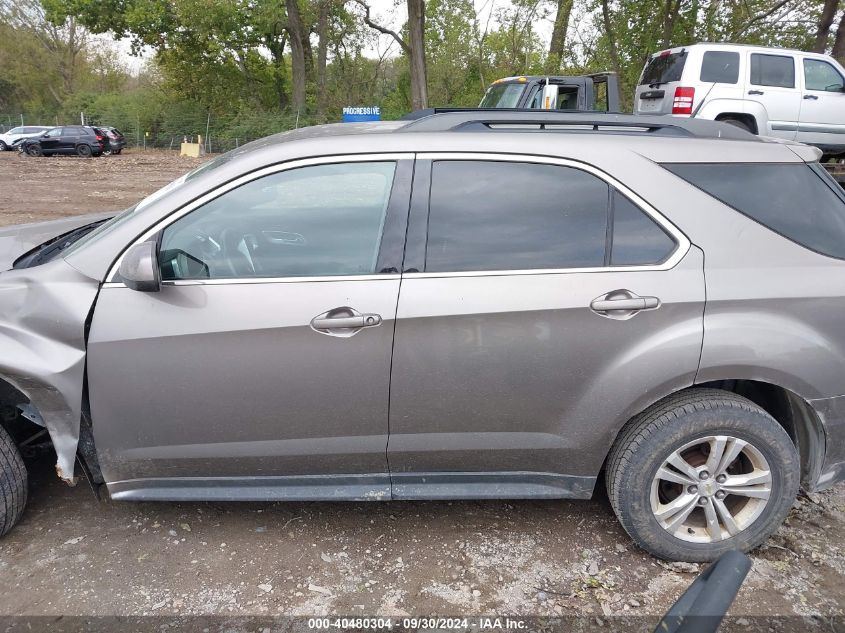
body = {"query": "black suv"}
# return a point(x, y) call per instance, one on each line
point(116, 140)
point(82, 140)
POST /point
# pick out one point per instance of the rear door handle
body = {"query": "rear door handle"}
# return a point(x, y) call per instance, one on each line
point(622, 304)
point(638, 303)
point(755, 92)
point(813, 97)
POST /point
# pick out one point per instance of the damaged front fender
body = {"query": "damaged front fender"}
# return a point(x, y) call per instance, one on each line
point(43, 315)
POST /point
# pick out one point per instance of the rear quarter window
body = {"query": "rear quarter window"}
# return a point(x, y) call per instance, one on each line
point(720, 67)
point(798, 201)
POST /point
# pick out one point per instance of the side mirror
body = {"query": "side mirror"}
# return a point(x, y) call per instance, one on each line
point(139, 268)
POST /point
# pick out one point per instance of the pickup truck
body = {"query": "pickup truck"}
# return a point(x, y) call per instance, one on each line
point(595, 92)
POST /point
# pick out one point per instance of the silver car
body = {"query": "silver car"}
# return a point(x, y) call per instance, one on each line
point(467, 305)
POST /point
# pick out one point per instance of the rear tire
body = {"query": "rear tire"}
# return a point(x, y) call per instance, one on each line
point(3, 146)
point(650, 498)
point(117, 151)
point(13, 483)
point(742, 125)
point(84, 151)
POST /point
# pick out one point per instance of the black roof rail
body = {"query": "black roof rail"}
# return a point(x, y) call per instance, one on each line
point(514, 120)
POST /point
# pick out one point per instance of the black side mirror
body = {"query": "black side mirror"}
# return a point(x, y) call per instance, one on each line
point(139, 268)
point(703, 605)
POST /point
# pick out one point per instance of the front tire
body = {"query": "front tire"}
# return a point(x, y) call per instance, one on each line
point(3, 146)
point(34, 150)
point(13, 483)
point(700, 473)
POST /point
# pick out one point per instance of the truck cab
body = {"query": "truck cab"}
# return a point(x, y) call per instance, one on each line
point(595, 92)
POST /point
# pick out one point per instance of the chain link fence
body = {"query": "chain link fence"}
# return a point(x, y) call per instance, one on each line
point(169, 128)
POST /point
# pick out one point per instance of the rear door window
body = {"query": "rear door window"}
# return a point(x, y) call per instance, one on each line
point(491, 215)
point(720, 67)
point(637, 239)
point(772, 70)
point(664, 68)
point(795, 201)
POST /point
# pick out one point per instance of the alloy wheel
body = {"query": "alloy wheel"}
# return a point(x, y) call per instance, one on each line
point(711, 489)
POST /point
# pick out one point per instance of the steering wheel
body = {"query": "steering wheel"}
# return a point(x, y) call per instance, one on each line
point(237, 255)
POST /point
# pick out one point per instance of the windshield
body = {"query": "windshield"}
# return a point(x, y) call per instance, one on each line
point(502, 96)
point(664, 68)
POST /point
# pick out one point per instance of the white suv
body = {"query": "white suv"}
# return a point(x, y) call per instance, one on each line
point(768, 91)
point(10, 139)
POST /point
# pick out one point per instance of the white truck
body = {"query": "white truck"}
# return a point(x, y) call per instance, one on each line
point(768, 91)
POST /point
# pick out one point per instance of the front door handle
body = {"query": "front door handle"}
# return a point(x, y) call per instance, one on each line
point(813, 97)
point(344, 321)
point(755, 92)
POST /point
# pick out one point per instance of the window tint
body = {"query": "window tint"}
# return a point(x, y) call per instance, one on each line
point(772, 70)
point(637, 239)
point(311, 221)
point(664, 68)
point(720, 67)
point(16, 130)
point(792, 200)
point(488, 215)
point(819, 75)
point(57, 131)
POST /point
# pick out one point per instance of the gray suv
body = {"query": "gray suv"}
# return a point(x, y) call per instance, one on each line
point(468, 305)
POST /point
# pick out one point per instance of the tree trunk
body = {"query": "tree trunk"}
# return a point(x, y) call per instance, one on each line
point(297, 48)
point(557, 45)
point(416, 54)
point(826, 21)
point(322, 49)
point(839, 42)
point(611, 38)
point(671, 12)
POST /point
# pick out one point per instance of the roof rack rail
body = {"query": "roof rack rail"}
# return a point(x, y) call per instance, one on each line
point(516, 120)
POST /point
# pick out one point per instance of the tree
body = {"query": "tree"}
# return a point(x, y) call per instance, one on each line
point(557, 43)
point(825, 22)
point(413, 47)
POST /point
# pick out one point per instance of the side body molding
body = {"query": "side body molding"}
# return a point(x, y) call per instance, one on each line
point(42, 347)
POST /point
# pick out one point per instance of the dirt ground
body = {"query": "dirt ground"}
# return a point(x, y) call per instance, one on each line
point(72, 555)
point(33, 189)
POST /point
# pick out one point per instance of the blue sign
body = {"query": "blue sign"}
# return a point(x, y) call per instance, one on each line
point(358, 114)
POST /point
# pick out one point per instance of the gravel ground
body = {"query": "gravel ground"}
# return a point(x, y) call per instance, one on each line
point(72, 555)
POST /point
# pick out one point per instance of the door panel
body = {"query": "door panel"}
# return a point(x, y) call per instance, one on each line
point(822, 107)
point(223, 384)
point(506, 382)
point(231, 380)
point(772, 82)
point(517, 373)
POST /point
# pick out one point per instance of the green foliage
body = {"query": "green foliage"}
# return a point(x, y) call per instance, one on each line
point(226, 65)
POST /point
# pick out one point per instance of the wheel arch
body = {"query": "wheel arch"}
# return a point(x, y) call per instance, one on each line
point(795, 414)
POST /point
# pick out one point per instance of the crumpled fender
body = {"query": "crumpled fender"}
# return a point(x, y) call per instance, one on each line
point(43, 314)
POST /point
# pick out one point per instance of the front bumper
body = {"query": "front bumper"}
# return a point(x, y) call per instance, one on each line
point(831, 412)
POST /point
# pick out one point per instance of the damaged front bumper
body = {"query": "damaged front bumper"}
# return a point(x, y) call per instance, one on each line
point(43, 314)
